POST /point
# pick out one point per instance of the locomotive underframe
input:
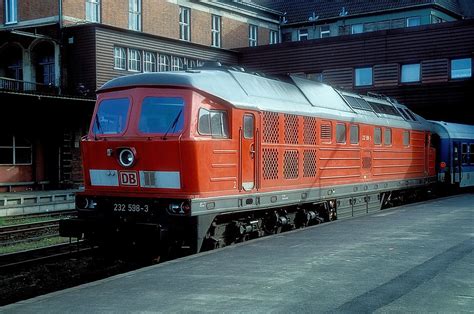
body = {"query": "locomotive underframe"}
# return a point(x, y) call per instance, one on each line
point(216, 222)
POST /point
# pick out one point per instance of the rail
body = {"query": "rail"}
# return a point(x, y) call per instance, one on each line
point(29, 257)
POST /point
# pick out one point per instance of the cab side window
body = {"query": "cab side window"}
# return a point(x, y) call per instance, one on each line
point(213, 123)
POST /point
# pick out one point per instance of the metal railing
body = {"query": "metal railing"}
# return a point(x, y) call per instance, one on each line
point(13, 85)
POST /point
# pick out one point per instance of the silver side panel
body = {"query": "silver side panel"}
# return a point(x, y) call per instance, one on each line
point(104, 177)
point(160, 179)
point(293, 197)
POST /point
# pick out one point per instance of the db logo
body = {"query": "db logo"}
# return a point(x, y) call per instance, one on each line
point(129, 178)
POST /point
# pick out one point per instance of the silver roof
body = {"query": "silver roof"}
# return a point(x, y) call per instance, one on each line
point(294, 95)
point(448, 130)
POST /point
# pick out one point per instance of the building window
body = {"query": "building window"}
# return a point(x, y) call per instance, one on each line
point(363, 76)
point(216, 31)
point(134, 60)
point(253, 39)
point(149, 62)
point(461, 68)
point(318, 77)
point(273, 37)
point(93, 11)
point(165, 63)
point(325, 31)
point(134, 15)
point(413, 21)
point(435, 19)
point(184, 23)
point(410, 73)
point(357, 28)
point(11, 11)
point(15, 150)
point(303, 34)
point(286, 37)
point(120, 58)
point(178, 64)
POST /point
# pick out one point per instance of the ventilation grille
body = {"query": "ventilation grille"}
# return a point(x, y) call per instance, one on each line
point(149, 178)
point(271, 126)
point(326, 132)
point(309, 130)
point(291, 129)
point(309, 163)
point(290, 164)
point(366, 162)
point(270, 164)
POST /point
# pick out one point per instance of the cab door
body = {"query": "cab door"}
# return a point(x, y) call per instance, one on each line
point(248, 154)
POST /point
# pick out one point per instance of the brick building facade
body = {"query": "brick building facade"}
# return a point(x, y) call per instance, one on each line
point(54, 54)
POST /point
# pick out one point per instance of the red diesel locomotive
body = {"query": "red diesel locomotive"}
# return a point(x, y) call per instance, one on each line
point(207, 157)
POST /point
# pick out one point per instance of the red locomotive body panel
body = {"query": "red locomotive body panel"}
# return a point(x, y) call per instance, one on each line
point(192, 149)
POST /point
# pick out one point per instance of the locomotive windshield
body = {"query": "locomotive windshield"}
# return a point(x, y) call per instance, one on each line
point(162, 115)
point(111, 117)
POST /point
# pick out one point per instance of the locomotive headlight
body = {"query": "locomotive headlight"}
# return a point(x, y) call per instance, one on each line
point(126, 157)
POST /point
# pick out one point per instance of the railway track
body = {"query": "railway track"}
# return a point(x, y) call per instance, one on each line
point(14, 234)
point(41, 255)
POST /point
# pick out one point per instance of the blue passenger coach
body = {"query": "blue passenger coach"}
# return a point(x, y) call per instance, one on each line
point(455, 153)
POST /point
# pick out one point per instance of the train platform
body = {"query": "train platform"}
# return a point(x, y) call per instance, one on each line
point(417, 258)
point(32, 202)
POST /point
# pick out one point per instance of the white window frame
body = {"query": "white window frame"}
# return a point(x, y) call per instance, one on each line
point(273, 37)
point(177, 63)
point(11, 11)
point(93, 11)
point(303, 34)
point(461, 75)
point(134, 60)
point(14, 147)
point(120, 58)
point(149, 61)
point(413, 18)
point(185, 23)
point(357, 80)
point(357, 28)
point(216, 21)
point(135, 15)
point(164, 64)
point(253, 35)
point(324, 33)
point(409, 67)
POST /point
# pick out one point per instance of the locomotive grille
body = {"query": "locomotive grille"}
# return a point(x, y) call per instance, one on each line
point(271, 126)
point(270, 164)
point(366, 162)
point(291, 129)
point(150, 179)
point(309, 163)
point(309, 130)
point(290, 164)
point(326, 132)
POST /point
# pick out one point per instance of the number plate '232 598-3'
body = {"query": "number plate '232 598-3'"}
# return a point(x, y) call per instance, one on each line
point(131, 208)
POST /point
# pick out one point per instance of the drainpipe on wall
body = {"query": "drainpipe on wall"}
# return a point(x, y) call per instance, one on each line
point(60, 13)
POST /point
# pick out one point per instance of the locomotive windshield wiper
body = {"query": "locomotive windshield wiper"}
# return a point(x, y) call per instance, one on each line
point(99, 127)
point(173, 124)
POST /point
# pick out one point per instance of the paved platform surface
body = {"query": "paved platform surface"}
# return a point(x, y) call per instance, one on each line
point(416, 258)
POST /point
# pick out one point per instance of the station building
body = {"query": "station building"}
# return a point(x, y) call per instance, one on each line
point(54, 54)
